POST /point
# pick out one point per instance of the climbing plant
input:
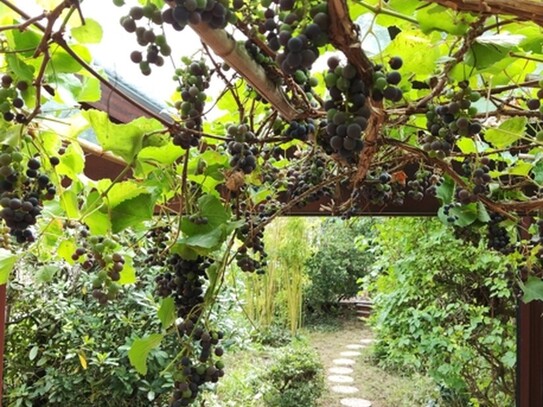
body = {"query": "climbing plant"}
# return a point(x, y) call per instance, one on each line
point(351, 104)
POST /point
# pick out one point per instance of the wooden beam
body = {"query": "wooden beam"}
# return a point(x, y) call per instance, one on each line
point(523, 9)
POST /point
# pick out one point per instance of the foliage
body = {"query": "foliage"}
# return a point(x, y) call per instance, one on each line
point(295, 378)
point(424, 100)
point(340, 258)
point(445, 307)
point(63, 348)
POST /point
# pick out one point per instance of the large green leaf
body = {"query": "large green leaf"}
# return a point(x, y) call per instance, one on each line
point(533, 289)
point(7, 262)
point(436, 17)
point(132, 212)
point(124, 140)
point(407, 45)
point(62, 62)
point(90, 33)
point(140, 350)
point(166, 312)
point(210, 207)
point(507, 133)
point(123, 191)
point(21, 69)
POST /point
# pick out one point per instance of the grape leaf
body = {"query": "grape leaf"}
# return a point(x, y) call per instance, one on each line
point(507, 133)
point(7, 262)
point(533, 289)
point(132, 212)
point(124, 140)
point(140, 349)
point(166, 312)
point(90, 33)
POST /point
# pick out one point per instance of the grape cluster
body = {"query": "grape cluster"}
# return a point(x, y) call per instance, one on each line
point(384, 84)
point(214, 13)
point(156, 45)
point(11, 99)
point(312, 172)
point(446, 123)
point(194, 80)
point(295, 38)
point(479, 174)
point(498, 238)
point(98, 253)
point(535, 103)
point(23, 188)
point(425, 184)
point(243, 155)
point(300, 130)
point(192, 373)
point(379, 189)
point(347, 110)
point(158, 237)
point(183, 280)
point(253, 240)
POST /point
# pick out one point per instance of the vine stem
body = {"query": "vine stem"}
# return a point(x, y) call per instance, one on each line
point(62, 43)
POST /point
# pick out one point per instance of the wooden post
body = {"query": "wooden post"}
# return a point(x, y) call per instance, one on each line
point(2, 337)
point(530, 354)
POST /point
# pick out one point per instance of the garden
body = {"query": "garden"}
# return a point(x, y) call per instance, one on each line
point(198, 195)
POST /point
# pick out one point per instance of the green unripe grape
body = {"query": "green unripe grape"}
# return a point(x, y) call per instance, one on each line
point(541, 83)
point(380, 83)
point(472, 111)
point(539, 135)
point(330, 79)
point(96, 283)
point(474, 96)
point(219, 364)
point(17, 156)
point(118, 3)
point(300, 77)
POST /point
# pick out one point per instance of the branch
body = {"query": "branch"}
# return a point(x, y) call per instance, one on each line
point(62, 43)
point(523, 9)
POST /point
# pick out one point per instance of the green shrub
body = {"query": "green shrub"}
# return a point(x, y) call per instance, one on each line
point(295, 378)
point(447, 308)
point(64, 349)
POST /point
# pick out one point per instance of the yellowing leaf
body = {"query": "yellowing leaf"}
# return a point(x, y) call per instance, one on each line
point(82, 359)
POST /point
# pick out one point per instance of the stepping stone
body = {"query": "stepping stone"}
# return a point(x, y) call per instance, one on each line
point(344, 361)
point(344, 389)
point(353, 346)
point(355, 402)
point(340, 370)
point(366, 341)
point(340, 379)
point(350, 353)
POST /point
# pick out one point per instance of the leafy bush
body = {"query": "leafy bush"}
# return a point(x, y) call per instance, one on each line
point(295, 378)
point(337, 264)
point(445, 307)
point(64, 349)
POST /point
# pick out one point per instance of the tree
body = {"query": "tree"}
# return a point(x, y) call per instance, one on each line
point(435, 97)
point(337, 263)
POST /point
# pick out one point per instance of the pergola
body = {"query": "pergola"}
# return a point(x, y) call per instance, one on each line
point(124, 108)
